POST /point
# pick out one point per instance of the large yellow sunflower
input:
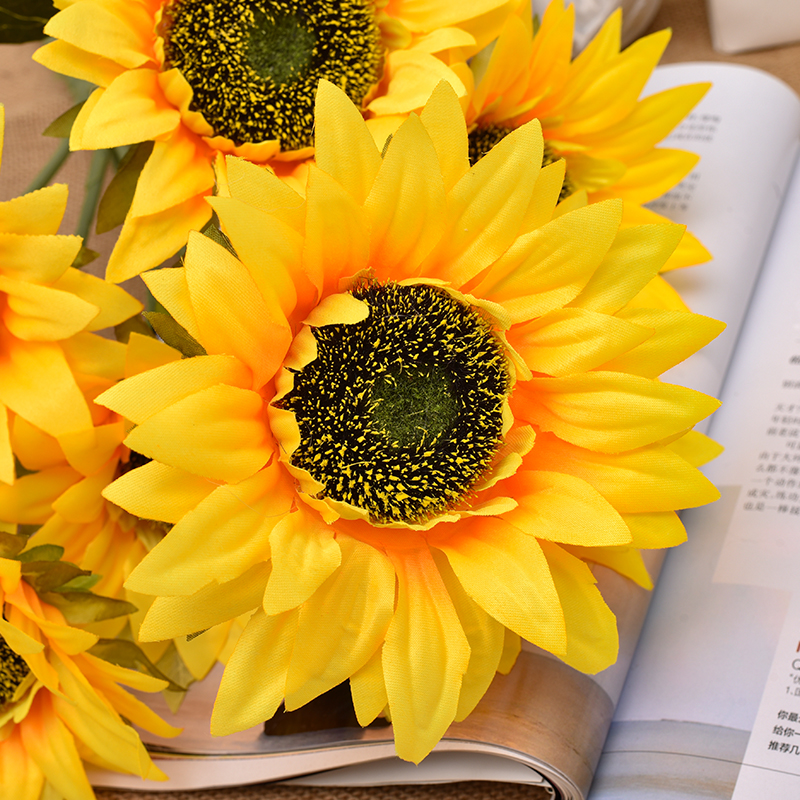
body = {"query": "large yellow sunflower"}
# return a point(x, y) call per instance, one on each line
point(200, 79)
point(60, 705)
point(590, 111)
point(43, 302)
point(424, 406)
point(59, 495)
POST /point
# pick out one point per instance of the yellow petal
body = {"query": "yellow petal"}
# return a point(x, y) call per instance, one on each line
point(156, 491)
point(412, 76)
point(66, 59)
point(444, 121)
point(486, 207)
point(178, 169)
point(223, 537)
point(147, 352)
point(114, 304)
point(25, 370)
point(132, 109)
point(406, 206)
point(118, 33)
point(7, 467)
point(171, 617)
point(146, 242)
point(649, 479)
point(696, 448)
point(550, 266)
point(505, 572)
point(425, 655)
point(625, 560)
point(37, 259)
point(485, 635)
point(368, 689)
point(358, 599)
point(586, 409)
point(253, 683)
point(592, 639)
point(656, 530)
point(38, 212)
point(275, 269)
point(344, 146)
point(677, 336)
point(562, 508)
point(304, 555)
point(219, 433)
point(141, 396)
point(170, 288)
point(337, 241)
point(232, 315)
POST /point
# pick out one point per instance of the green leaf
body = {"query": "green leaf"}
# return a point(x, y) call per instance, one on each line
point(128, 654)
point(11, 544)
point(85, 256)
point(174, 334)
point(82, 608)
point(83, 583)
point(24, 20)
point(136, 324)
point(48, 576)
point(172, 665)
point(43, 552)
point(117, 199)
point(212, 231)
point(61, 127)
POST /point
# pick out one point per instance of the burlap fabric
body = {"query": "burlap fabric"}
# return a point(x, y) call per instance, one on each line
point(33, 97)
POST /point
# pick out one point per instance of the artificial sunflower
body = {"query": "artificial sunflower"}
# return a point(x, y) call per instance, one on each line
point(589, 109)
point(58, 496)
point(44, 301)
point(424, 405)
point(61, 705)
point(194, 80)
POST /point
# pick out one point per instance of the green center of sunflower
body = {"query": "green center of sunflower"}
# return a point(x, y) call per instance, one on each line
point(485, 137)
point(400, 414)
point(13, 671)
point(254, 65)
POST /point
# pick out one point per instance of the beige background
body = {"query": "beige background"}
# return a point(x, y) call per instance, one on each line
point(33, 97)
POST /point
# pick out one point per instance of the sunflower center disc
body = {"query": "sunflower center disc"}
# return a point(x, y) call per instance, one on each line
point(254, 65)
point(485, 137)
point(13, 671)
point(401, 414)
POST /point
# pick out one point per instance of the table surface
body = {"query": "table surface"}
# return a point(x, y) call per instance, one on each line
point(24, 109)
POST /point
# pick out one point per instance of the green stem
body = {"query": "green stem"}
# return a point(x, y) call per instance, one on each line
point(50, 169)
point(94, 186)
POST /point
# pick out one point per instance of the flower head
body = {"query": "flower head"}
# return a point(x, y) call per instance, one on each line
point(58, 495)
point(60, 705)
point(424, 404)
point(201, 79)
point(44, 301)
point(589, 109)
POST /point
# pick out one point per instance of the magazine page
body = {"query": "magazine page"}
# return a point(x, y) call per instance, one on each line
point(545, 719)
point(715, 682)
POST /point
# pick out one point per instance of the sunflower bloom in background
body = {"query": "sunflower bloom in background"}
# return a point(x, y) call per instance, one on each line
point(59, 495)
point(43, 303)
point(61, 705)
point(589, 109)
point(194, 80)
point(422, 406)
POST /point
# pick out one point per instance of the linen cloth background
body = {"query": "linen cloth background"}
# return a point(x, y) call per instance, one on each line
point(33, 97)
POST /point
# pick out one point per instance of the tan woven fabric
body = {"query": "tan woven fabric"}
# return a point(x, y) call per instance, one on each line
point(33, 97)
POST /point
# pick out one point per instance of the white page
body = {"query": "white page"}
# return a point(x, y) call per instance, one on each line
point(721, 605)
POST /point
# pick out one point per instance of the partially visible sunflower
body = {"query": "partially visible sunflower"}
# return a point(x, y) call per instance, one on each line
point(424, 404)
point(200, 79)
point(60, 705)
point(43, 302)
point(59, 495)
point(589, 109)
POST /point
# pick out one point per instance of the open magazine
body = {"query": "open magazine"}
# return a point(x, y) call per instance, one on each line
point(724, 622)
